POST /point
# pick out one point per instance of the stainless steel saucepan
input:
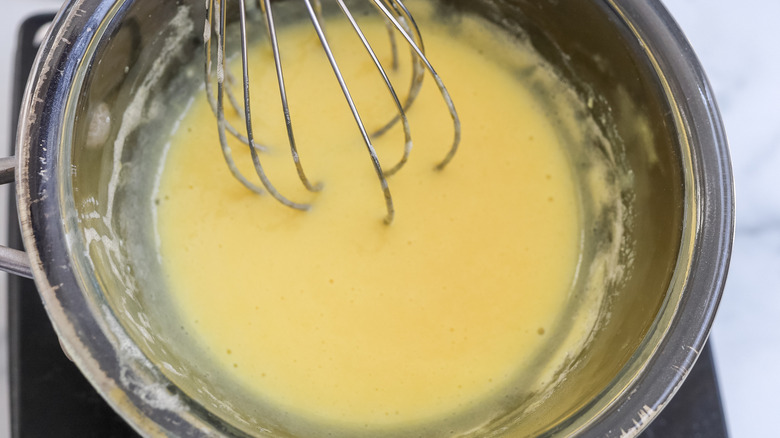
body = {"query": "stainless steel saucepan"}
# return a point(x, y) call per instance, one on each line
point(101, 94)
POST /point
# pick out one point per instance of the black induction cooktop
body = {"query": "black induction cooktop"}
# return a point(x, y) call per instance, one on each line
point(50, 397)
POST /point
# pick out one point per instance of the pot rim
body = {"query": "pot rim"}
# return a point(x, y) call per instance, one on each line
point(101, 349)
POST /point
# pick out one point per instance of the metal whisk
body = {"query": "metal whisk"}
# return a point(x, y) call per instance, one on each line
point(398, 21)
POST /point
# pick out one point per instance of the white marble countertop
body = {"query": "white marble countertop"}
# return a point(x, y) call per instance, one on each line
point(737, 42)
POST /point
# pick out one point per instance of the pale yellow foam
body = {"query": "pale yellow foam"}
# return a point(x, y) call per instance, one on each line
point(333, 315)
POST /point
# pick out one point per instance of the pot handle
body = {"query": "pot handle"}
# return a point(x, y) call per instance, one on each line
point(12, 260)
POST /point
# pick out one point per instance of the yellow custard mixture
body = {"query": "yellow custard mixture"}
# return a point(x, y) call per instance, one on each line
point(331, 315)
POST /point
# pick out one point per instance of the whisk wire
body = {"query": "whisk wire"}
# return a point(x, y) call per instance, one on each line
point(439, 83)
point(218, 105)
point(231, 80)
point(418, 71)
point(366, 139)
point(393, 44)
point(248, 116)
point(389, 85)
point(283, 94)
point(228, 77)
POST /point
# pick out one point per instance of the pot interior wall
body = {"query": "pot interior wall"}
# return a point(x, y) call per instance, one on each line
point(136, 80)
point(596, 51)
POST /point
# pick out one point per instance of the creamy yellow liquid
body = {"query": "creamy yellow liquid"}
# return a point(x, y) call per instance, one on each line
point(334, 316)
